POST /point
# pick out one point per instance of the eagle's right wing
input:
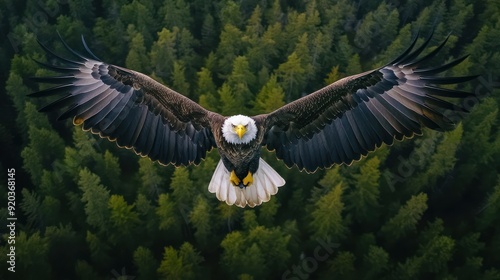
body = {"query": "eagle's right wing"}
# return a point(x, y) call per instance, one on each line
point(130, 108)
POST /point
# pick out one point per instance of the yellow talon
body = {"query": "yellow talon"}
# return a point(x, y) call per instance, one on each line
point(248, 180)
point(234, 179)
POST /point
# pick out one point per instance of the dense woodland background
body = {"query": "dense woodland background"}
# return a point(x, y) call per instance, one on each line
point(428, 207)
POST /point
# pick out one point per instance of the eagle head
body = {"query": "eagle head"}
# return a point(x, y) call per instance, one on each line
point(239, 129)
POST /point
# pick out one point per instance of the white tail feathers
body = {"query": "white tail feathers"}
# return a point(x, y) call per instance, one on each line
point(266, 182)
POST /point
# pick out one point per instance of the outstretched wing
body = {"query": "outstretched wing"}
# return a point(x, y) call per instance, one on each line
point(347, 119)
point(130, 108)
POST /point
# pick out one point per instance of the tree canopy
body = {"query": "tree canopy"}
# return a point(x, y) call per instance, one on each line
point(427, 207)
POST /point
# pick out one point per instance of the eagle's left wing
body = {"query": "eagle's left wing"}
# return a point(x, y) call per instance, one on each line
point(345, 120)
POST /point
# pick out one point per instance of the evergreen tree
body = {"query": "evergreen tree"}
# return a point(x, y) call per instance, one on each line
point(34, 250)
point(139, 14)
point(230, 103)
point(375, 262)
point(270, 97)
point(146, 263)
point(163, 54)
point(407, 217)
point(175, 13)
point(207, 90)
point(363, 198)
point(201, 219)
point(136, 58)
point(182, 264)
point(179, 82)
point(96, 197)
point(342, 266)
point(326, 218)
point(123, 219)
point(230, 46)
point(291, 76)
point(151, 178)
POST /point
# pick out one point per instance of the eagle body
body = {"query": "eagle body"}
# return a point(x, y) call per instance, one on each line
point(337, 124)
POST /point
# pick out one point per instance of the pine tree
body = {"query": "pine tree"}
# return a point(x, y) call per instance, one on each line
point(99, 250)
point(375, 262)
point(105, 35)
point(30, 206)
point(441, 162)
point(123, 220)
point(407, 217)
point(242, 80)
point(96, 197)
point(270, 97)
point(179, 82)
point(64, 243)
point(151, 179)
point(326, 218)
point(34, 250)
point(342, 266)
point(206, 90)
point(109, 170)
point(435, 255)
point(362, 201)
point(145, 263)
point(176, 14)
point(182, 264)
point(333, 76)
point(182, 188)
point(230, 14)
point(136, 57)
point(41, 139)
point(166, 212)
point(230, 103)
point(201, 219)
point(230, 47)
point(291, 76)
point(139, 15)
point(490, 210)
point(208, 31)
point(84, 271)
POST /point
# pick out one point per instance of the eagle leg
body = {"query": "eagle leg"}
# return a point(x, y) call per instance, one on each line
point(234, 179)
point(248, 180)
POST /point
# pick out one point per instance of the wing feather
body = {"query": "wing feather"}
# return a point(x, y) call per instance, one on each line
point(347, 119)
point(128, 107)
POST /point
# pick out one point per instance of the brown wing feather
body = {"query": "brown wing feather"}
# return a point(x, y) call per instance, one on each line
point(130, 108)
point(345, 120)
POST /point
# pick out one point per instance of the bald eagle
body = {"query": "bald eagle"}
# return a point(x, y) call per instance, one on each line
point(337, 124)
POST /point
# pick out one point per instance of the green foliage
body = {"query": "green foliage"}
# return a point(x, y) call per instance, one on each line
point(96, 197)
point(425, 208)
point(406, 218)
point(146, 263)
point(270, 97)
point(136, 57)
point(327, 220)
point(363, 198)
point(181, 264)
point(165, 212)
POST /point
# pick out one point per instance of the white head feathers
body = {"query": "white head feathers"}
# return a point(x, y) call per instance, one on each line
point(246, 127)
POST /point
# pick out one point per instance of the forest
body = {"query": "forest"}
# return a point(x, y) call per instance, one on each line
point(423, 208)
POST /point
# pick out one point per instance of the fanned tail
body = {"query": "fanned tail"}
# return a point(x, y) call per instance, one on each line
point(266, 182)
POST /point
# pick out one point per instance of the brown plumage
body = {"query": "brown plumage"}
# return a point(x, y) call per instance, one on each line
point(337, 124)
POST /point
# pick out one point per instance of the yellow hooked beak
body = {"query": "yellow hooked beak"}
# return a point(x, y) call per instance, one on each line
point(240, 130)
